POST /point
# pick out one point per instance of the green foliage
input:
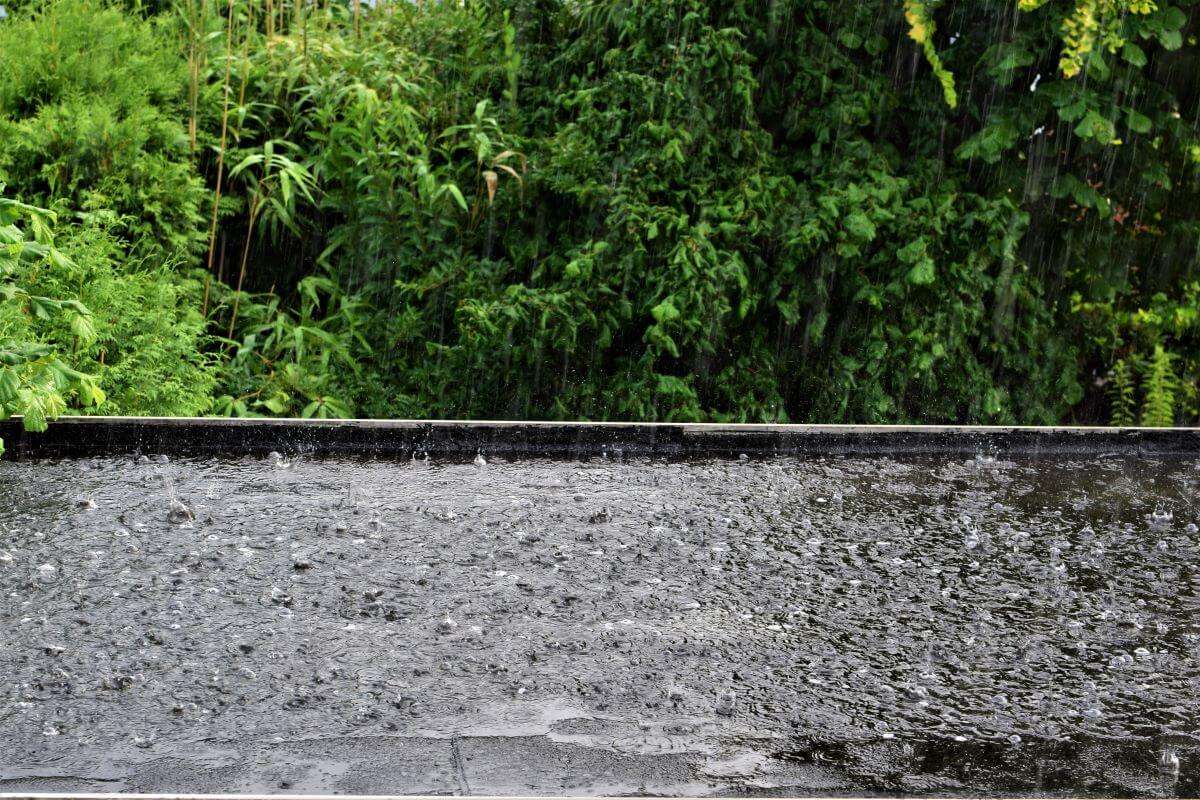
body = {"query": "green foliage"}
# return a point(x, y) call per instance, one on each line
point(1124, 394)
point(294, 363)
point(147, 334)
point(34, 381)
point(686, 239)
point(1159, 385)
point(90, 102)
point(654, 209)
point(702, 224)
point(921, 29)
point(1155, 379)
point(1090, 25)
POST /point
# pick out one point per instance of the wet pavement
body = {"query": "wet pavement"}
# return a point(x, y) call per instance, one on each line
point(755, 627)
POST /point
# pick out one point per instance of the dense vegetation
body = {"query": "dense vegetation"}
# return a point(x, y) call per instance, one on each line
point(801, 210)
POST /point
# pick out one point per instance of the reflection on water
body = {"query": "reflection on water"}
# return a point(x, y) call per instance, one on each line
point(768, 627)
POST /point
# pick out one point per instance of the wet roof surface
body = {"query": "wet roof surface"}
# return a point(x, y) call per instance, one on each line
point(788, 626)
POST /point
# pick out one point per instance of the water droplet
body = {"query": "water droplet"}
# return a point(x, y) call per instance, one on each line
point(179, 513)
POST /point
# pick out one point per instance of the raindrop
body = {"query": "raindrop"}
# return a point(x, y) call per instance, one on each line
point(1161, 518)
point(179, 513)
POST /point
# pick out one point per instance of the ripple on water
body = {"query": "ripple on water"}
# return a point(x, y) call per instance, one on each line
point(960, 610)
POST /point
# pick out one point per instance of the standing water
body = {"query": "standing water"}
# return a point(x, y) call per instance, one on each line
point(780, 627)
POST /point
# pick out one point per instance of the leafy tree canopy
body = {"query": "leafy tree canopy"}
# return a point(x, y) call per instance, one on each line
point(800, 210)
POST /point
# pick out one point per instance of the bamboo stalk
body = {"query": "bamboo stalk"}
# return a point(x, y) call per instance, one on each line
point(193, 80)
point(196, 59)
point(237, 135)
point(212, 231)
point(237, 295)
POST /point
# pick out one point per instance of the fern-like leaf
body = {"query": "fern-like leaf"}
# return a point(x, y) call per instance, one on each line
point(1159, 384)
point(1123, 394)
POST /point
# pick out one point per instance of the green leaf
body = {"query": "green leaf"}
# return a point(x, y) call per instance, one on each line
point(10, 383)
point(40, 223)
point(1133, 54)
point(1171, 40)
point(1096, 126)
point(43, 307)
point(277, 403)
point(913, 251)
point(876, 45)
point(34, 415)
point(1138, 122)
point(1173, 19)
point(1007, 58)
point(665, 312)
point(860, 226)
point(457, 195)
point(922, 273)
point(15, 354)
point(789, 312)
point(990, 143)
point(90, 393)
point(850, 40)
point(60, 260)
point(83, 327)
point(674, 386)
point(1073, 111)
